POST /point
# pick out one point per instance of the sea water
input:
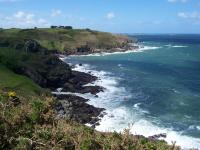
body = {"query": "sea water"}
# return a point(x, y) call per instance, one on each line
point(152, 90)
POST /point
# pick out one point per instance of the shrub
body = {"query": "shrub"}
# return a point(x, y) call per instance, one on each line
point(90, 145)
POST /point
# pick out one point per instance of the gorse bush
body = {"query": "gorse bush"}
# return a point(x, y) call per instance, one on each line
point(32, 124)
point(20, 129)
point(37, 108)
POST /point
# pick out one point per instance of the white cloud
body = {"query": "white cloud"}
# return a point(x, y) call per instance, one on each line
point(42, 21)
point(23, 20)
point(110, 15)
point(182, 15)
point(22, 17)
point(174, 1)
point(189, 15)
point(55, 13)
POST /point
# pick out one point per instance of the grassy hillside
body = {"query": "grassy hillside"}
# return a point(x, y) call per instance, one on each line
point(61, 39)
point(29, 122)
point(9, 81)
point(27, 116)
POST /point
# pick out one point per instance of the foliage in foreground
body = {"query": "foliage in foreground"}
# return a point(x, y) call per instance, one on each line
point(28, 121)
point(32, 125)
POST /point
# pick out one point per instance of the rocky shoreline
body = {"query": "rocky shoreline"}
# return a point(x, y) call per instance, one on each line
point(49, 71)
point(74, 107)
point(85, 50)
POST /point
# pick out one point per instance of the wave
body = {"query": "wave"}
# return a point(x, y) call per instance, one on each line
point(179, 46)
point(140, 49)
point(119, 117)
point(193, 127)
point(176, 46)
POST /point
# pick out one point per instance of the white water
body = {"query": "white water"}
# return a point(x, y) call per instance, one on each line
point(120, 117)
point(141, 49)
point(176, 46)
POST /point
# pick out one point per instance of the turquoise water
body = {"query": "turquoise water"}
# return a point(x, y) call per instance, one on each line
point(155, 90)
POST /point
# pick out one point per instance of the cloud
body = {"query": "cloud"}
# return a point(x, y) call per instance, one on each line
point(22, 19)
point(189, 15)
point(55, 13)
point(174, 1)
point(110, 15)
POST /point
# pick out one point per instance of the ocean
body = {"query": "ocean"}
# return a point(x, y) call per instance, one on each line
point(153, 90)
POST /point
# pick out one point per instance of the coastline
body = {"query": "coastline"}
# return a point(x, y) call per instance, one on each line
point(98, 95)
point(88, 86)
point(160, 134)
point(92, 87)
point(49, 73)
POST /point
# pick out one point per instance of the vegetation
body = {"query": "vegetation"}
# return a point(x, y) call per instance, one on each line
point(32, 124)
point(60, 38)
point(27, 116)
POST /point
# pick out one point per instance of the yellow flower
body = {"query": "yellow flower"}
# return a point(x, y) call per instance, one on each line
point(11, 94)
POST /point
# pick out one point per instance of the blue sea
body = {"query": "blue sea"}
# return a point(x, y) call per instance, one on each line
point(153, 90)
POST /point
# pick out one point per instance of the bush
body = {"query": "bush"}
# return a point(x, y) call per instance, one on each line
point(90, 145)
point(37, 107)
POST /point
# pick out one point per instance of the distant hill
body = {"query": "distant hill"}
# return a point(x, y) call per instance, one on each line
point(64, 40)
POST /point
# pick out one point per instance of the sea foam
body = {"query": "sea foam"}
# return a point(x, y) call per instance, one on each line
point(119, 117)
point(140, 49)
point(176, 46)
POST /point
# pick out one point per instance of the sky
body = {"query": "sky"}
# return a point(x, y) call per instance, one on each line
point(117, 16)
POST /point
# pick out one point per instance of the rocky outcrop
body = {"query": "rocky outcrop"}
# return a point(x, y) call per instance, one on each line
point(84, 49)
point(47, 70)
point(76, 108)
point(31, 46)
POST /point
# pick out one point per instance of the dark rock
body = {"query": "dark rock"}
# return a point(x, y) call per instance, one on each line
point(84, 49)
point(31, 46)
point(81, 78)
point(91, 89)
point(33, 74)
point(101, 115)
point(157, 136)
point(48, 71)
point(77, 109)
point(77, 81)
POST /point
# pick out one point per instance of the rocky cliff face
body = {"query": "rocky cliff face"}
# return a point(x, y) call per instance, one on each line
point(48, 71)
point(39, 61)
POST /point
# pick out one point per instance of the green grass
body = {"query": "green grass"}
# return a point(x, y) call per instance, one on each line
point(10, 81)
point(61, 39)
